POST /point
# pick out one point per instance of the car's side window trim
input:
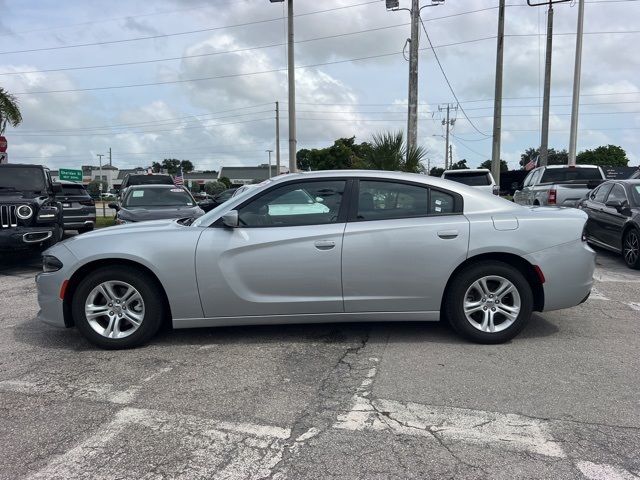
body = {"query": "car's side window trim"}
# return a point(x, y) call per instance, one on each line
point(458, 206)
point(342, 212)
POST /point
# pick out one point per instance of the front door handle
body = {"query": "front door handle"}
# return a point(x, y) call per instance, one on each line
point(325, 244)
point(447, 234)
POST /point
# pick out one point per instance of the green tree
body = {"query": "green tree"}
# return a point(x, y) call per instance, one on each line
point(344, 153)
point(436, 171)
point(389, 151)
point(9, 110)
point(554, 157)
point(173, 165)
point(459, 165)
point(215, 187)
point(94, 187)
point(225, 181)
point(604, 156)
point(504, 166)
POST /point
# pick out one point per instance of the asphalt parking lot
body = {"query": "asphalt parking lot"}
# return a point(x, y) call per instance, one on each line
point(344, 401)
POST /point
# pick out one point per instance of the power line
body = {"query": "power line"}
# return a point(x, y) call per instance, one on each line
point(188, 32)
point(447, 79)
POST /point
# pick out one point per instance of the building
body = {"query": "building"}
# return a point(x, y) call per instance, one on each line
point(193, 180)
point(91, 173)
point(245, 175)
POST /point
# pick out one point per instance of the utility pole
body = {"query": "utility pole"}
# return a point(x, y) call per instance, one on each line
point(497, 103)
point(269, 152)
point(575, 104)
point(110, 164)
point(448, 123)
point(544, 137)
point(414, 45)
point(100, 155)
point(293, 142)
point(412, 119)
point(450, 155)
point(277, 138)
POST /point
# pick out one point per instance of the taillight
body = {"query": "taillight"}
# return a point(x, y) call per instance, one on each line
point(552, 197)
point(87, 203)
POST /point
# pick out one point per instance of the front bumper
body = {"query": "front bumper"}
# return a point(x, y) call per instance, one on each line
point(81, 222)
point(24, 237)
point(49, 285)
point(568, 271)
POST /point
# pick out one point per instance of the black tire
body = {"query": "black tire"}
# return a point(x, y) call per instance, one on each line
point(147, 286)
point(455, 298)
point(631, 248)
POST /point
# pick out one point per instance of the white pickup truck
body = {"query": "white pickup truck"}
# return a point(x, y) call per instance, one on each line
point(560, 185)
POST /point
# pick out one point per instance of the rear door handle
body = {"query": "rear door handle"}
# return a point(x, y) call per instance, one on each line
point(446, 234)
point(325, 244)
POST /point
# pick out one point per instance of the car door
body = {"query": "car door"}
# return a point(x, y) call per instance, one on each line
point(594, 207)
point(283, 259)
point(400, 246)
point(613, 220)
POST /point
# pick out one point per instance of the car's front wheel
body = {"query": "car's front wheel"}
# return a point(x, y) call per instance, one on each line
point(489, 302)
point(117, 307)
point(631, 248)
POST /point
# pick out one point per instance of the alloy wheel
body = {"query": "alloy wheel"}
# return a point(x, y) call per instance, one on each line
point(492, 304)
point(631, 248)
point(114, 309)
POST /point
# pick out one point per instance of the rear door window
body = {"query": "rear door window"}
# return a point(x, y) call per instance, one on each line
point(74, 191)
point(601, 193)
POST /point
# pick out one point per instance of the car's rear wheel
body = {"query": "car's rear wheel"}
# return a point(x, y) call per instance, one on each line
point(489, 302)
point(631, 248)
point(117, 307)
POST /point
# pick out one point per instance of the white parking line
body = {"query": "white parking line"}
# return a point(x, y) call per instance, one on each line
point(619, 277)
point(634, 305)
point(602, 471)
point(597, 295)
point(200, 448)
point(505, 431)
point(101, 392)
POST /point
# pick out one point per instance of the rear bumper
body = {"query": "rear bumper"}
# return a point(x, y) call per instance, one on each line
point(568, 271)
point(81, 222)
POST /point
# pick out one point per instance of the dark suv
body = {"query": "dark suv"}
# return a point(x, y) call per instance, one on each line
point(30, 215)
point(78, 208)
point(132, 179)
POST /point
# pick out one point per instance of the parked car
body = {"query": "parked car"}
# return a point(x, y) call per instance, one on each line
point(479, 178)
point(30, 214)
point(614, 219)
point(154, 202)
point(560, 185)
point(388, 246)
point(635, 175)
point(132, 179)
point(222, 197)
point(78, 208)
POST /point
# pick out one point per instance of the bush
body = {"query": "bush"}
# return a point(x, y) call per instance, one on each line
point(213, 188)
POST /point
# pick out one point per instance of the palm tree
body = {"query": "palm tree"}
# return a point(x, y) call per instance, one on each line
point(389, 152)
point(9, 110)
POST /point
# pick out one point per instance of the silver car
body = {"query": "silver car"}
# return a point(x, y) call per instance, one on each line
point(364, 246)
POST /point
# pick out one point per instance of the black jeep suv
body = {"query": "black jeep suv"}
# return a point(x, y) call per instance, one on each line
point(30, 215)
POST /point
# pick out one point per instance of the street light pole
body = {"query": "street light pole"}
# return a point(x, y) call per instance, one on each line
point(412, 118)
point(269, 152)
point(277, 138)
point(544, 136)
point(293, 142)
point(100, 155)
point(497, 105)
point(575, 104)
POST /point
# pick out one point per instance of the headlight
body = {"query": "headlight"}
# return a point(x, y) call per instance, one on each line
point(50, 264)
point(23, 212)
point(46, 213)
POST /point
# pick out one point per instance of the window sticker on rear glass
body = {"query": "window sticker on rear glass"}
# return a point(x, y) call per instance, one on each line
point(438, 202)
point(176, 190)
point(137, 193)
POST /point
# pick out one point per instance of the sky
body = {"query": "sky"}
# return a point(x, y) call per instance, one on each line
point(198, 80)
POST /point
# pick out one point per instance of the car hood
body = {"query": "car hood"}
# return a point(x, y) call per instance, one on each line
point(157, 213)
point(9, 196)
point(153, 226)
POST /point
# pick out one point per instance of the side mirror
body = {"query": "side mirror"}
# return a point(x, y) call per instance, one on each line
point(230, 219)
point(115, 206)
point(56, 188)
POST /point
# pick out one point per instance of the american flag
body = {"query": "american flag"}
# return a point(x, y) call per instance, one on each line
point(178, 180)
point(532, 164)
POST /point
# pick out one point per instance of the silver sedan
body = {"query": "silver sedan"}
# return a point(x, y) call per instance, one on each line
point(340, 246)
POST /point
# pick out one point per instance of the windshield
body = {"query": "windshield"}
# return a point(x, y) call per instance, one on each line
point(473, 179)
point(71, 190)
point(22, 179)
point(158, 197)
point(559, 175)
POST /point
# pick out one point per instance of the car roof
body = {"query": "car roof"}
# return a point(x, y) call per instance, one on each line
point(572, 166)
point(70, 182)
point(154, 185)
point(22, 165)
